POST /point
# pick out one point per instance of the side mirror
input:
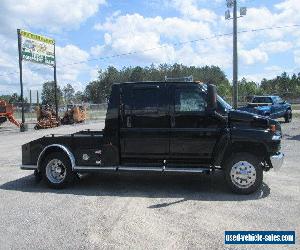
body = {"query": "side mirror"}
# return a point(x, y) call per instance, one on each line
point(211, 97)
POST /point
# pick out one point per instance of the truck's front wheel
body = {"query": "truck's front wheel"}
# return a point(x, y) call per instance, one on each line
point(56, 170)
point(243, 173)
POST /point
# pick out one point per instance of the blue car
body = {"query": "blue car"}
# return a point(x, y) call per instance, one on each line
point(271, 106)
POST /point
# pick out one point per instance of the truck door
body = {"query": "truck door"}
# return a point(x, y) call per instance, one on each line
point(146, 124)
point(279, 106)
point(194, 132)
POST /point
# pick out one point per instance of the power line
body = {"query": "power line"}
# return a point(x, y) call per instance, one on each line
point(165, 46)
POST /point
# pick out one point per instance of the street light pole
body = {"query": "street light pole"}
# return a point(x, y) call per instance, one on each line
point(243, 11)
point(22, 126)
point(235, 57)
point(55, 86)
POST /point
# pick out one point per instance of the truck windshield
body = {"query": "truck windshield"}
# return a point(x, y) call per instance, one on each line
point(226, 105)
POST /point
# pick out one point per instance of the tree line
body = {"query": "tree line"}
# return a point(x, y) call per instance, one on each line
point(284, 85)
point(14, 98)
point(97, 91)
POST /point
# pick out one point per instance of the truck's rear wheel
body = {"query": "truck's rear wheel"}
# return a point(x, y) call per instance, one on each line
point(56, 170)
point(243, 173)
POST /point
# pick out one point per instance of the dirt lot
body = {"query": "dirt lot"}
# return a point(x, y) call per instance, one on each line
point(139, 211)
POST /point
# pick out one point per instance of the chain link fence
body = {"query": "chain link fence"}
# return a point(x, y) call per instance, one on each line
point(98, 111)
point(93, 111)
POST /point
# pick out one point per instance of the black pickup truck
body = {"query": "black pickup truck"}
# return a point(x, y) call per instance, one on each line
point(167, 127)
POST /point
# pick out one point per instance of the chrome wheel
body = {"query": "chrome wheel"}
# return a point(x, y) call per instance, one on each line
point(243, 174)
point(56, 171)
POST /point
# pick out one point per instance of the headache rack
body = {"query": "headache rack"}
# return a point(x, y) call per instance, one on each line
point(179, 79)
point(86, 132)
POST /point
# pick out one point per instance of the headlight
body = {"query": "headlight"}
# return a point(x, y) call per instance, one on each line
point(276, 137)
point(272, 128)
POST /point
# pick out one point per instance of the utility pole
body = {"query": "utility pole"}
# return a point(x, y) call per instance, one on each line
point(235, 59)
point(30, 100)
point(243, 11)
point(22, 126)
point(55, 86)
point(37, 99)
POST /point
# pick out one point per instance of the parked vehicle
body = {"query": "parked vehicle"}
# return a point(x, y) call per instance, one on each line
point(7, 113)
point(271, 106)
point(164, 127)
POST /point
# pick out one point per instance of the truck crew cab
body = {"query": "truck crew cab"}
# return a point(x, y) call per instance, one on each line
point(166, 127)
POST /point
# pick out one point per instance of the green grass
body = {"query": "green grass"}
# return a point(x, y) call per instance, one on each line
point(295, 106)
point(28, 116)
point(296, 115)
point(96, 114)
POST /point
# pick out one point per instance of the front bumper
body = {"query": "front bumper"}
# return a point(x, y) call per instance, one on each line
point(277, 160)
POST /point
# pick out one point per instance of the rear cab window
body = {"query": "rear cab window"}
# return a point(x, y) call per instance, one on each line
point(145, 99)
point(262, 99)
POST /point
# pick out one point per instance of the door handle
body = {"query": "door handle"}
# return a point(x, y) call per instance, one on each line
point(172, 121)
point(128, 121)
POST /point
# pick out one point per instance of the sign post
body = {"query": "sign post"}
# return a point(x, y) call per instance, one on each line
point(55, 86)
point(38, 49)
point(22, 126)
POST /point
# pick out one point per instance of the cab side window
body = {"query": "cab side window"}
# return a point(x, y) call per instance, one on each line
point(189, 100)
point(279, 100)
point(145, 100)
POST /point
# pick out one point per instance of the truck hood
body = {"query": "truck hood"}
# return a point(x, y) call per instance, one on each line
point(259, 105)
point(260, 110)
point(263, 108)
point(244, 119)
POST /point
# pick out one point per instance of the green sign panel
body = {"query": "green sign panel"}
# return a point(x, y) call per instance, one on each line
point(37, 48)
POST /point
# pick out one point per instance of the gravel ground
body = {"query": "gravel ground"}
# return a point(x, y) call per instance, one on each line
point(140, 211)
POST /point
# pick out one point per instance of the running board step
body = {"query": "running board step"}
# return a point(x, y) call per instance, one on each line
point(188, 170)
point(144, 169)
point(147, 169)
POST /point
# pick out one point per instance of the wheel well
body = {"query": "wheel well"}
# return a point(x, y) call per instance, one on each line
point(258, 149)
point(55, 148)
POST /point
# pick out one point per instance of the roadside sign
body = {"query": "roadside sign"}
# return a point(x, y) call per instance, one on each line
point(37, 48)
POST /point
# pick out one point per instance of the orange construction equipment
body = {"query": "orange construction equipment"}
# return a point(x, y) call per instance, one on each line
point(74, 114)
point(6, 113)
point(46, 118)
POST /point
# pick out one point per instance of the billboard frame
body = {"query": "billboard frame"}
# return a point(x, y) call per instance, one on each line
point(23, 127)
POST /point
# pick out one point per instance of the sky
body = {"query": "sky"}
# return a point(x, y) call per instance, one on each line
point(93, 34)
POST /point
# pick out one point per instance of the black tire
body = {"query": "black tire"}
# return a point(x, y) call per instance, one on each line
point(3, 119)
point(37, 176)
point(246, 182)
point(71, 121)
point(62, 176)
point(288, 116)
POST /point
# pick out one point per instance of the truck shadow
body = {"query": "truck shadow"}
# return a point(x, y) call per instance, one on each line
point(183, 186)
point(293, 138)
